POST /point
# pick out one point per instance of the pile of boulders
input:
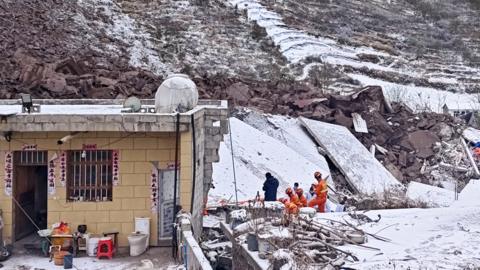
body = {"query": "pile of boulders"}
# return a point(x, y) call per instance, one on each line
point(46, 52)
point(411, 146)
point(73, 78)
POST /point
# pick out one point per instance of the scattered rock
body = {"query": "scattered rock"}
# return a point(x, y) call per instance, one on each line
point(423, 142)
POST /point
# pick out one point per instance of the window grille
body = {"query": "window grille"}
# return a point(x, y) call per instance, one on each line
point(31, 158)
point(89, 175)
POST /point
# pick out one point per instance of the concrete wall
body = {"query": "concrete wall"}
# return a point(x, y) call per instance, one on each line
point(195, 259)
point(131, 198)
point(210, 126)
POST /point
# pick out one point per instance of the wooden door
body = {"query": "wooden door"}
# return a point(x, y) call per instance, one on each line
point(29, 191)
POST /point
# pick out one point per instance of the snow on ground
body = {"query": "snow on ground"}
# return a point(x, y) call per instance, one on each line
point(296, 46)
point(159, 257)
point(440, 238)
point(469, 194)
point(124, 28)
point(256, 153)
point(421, 98)
point(431, 195)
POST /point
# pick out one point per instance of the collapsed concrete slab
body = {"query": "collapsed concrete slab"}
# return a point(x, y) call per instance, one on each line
point(362, 171)
point(431, 195)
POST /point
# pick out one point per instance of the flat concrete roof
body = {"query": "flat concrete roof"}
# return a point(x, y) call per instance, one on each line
point(97, 115)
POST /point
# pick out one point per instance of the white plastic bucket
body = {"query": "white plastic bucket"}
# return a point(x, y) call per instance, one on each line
point(92, 245)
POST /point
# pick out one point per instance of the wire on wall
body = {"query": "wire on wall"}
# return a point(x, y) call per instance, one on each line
point(233, 163)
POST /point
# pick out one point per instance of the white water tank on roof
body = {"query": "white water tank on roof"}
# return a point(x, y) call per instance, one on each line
point(176, 94)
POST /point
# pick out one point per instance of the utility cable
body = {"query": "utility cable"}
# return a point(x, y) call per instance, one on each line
point(233, 164)
point(194, 158)
point(177, 146)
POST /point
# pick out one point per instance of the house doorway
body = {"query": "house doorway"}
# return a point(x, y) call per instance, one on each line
point(165, 210)
point(30, 171)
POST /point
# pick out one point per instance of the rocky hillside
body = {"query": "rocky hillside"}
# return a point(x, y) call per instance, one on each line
point(273, 55)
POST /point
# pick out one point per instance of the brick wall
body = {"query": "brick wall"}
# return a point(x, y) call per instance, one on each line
point(131, 198)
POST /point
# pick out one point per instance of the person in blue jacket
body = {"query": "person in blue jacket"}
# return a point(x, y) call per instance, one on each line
point(270, 187)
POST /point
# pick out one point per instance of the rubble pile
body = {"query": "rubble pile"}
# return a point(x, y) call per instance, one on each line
point(421, 147)
point(217, 249)
point(73, 78)
point(44, 53)
point(300, 241)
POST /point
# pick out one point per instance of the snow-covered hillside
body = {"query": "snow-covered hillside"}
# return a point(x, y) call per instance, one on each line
point(366, 64)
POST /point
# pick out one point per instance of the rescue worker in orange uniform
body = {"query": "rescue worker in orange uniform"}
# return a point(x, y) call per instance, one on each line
point(476, 153)
point(302, 199)
point(321, 191)
point(292, 204)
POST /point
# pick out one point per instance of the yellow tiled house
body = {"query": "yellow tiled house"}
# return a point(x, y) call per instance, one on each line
point(90, 162)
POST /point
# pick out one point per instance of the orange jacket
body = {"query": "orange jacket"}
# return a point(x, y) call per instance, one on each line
point(294, 199)
point(303, 201)
point(321, 189)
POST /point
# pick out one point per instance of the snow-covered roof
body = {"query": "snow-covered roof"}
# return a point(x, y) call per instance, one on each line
point(89, 106)
point(97, 115)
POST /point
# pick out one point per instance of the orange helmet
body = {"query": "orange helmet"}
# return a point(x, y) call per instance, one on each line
point(299, 191)
point(317, 175)
point(289, 191)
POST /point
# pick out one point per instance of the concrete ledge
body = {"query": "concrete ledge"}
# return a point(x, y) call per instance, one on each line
point(100, 115)
point(201, 102)
point(195, 260)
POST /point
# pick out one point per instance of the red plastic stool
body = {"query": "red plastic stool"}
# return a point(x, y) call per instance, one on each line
point(105, 248)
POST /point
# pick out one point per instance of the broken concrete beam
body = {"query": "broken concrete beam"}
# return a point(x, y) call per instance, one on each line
point(359, 124)
point(216, 246)
point(381, 149)
point(453, 167)
point(364, 173)
point(372, 149)
point(431, 195)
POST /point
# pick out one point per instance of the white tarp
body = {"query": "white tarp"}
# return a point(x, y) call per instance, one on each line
point(433, 196)
point(471, 134)
point(362, 171)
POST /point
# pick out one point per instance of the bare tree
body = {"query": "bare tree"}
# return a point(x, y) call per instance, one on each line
point(323, 77)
